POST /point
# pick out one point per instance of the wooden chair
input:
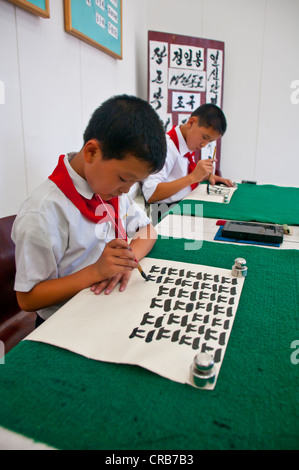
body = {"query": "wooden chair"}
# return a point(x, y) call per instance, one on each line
point(15, 324)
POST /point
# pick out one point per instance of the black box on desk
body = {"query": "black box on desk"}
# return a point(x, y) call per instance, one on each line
point(253, 231)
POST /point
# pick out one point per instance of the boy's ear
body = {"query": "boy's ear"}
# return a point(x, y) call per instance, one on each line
point(192, 120)
point(91, 149)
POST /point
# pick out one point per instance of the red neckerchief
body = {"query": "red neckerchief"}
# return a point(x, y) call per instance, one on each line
point(173, 135)
point(89, 208)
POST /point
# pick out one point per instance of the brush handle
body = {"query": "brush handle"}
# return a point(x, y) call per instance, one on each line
point(116, 228)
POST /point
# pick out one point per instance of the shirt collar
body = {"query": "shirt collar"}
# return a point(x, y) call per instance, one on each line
point(182, 143)
point(80, 183)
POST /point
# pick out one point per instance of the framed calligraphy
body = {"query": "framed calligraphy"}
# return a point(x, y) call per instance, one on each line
point(38, 7)
point(183, 73)
point(97, 22)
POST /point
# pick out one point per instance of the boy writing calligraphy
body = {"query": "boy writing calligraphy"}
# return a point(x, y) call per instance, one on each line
point(64, 239)
point(180, 174)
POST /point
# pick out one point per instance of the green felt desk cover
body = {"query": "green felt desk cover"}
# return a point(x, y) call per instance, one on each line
point(261, 203)
point(70, 402)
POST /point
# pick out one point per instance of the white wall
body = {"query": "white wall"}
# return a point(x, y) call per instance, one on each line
point(261, 61)
point(53, 82)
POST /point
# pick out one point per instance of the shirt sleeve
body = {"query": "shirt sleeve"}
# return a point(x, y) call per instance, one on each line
point(150, 184)
point(39, 248)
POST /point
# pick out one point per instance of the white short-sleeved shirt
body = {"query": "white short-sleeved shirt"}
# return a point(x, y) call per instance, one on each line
point(54, 240)
point(175, 167)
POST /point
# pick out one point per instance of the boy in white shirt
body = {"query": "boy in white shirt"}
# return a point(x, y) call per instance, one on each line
point(71, 233)
point(180, 173)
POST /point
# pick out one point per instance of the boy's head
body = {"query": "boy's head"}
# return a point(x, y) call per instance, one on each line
point(124, 143)
point(209, 115)
point(126, 125)
point(206, 124)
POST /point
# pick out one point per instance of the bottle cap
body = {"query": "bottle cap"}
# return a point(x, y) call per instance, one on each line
point(240, 262)
point(203, 362)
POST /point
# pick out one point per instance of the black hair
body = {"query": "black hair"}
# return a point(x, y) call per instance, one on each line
point(209, 115)
point(128, 125)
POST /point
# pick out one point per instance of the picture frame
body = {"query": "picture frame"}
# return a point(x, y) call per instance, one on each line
point(37, 7)
point(96, 22)
point(185, 72)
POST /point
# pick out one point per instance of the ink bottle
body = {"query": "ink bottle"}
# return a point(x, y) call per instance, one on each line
point(239, 269)
point(203, 371)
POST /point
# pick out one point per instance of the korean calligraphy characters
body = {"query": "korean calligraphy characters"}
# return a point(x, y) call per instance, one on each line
point(182, 77)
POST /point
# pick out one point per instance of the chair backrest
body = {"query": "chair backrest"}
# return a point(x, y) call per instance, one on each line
point(8, 301)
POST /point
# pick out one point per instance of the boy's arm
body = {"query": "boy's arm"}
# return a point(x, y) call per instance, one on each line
point(168, 189)
point(117, 257)
point(54, 291)
point(143, 241)
point(201, 172)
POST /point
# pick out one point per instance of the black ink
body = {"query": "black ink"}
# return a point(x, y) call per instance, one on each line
point(229, 312)
point(169, 280)
point(155, 303)
point(209, 334)
point(184, 340)
point(173, 319)
point(222, 339)
point(218, 309)
point(162, 333)
point(149, 336)
point(163, 290)
point(159, 55)
point(159, 321)
point(137, 332)
point(145, 319)
point(183, 293)
point(175, 336)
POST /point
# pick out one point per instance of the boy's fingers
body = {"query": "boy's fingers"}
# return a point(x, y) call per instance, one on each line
point(123, 284)
point(208, 160)
point(126, 263)
point(118, 243)
point(122, 253)
point(123, 249)
point(98, 288)
point(113, 282)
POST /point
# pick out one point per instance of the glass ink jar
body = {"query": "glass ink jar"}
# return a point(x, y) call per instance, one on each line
point(203, 371)
point(239, 269)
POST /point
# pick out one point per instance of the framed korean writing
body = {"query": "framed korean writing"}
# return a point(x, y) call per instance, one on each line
point(38, 7)
point(183, 73)
point(97, 22)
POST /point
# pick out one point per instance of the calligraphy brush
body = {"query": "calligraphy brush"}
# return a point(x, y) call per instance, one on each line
point(208, 186)
point(117, 230)
point(214, 152)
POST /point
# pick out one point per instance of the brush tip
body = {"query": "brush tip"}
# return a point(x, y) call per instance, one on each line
point(144, 275)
